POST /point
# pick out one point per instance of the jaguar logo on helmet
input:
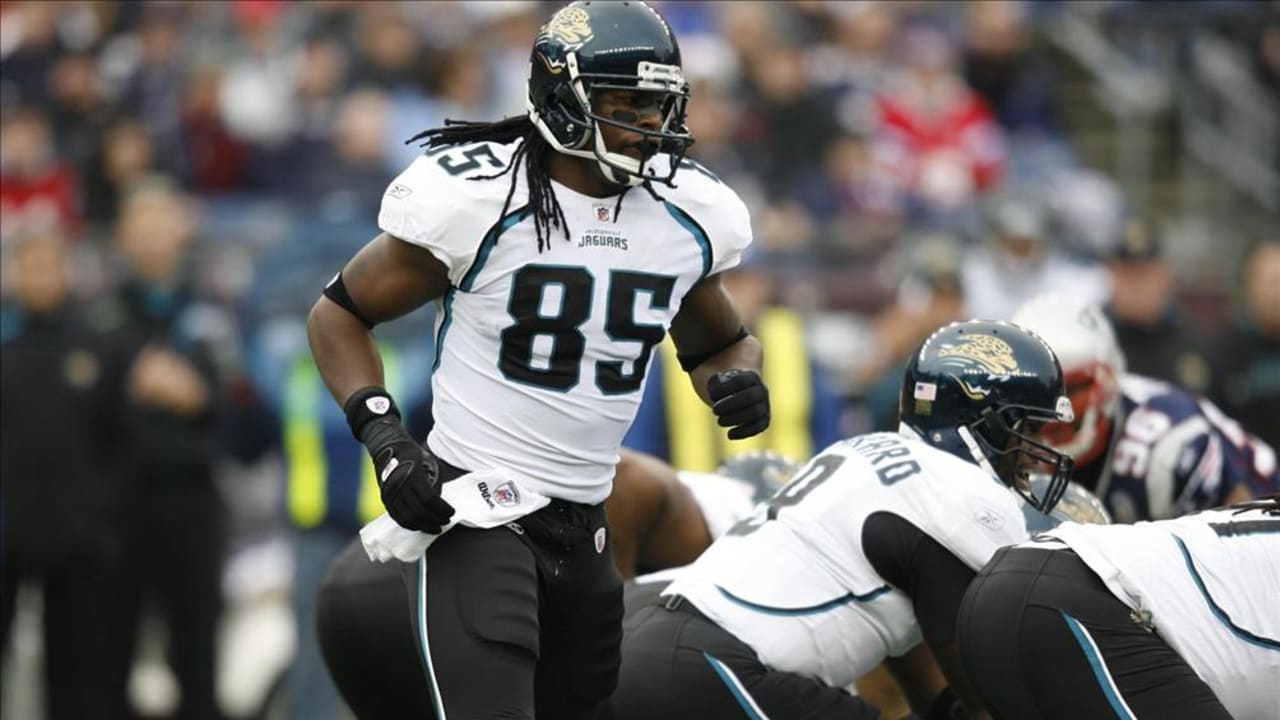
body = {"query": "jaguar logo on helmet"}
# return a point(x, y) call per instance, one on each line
point(571, 26)
point(987, 352)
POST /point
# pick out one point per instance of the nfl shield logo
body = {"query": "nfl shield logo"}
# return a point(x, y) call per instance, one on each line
point(506, 495)
point(603, 213)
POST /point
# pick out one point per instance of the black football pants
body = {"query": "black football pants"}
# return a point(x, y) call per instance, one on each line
point(1042, 637)
point(519, 621)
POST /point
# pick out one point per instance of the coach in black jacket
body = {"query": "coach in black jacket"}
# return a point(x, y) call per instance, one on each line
point(57, 456)
point(174, 519)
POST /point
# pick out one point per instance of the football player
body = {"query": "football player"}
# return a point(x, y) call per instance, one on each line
point(658, 517)
point(1149, 449)
point(865, 553)
point(562, 245)
point(1164, 619)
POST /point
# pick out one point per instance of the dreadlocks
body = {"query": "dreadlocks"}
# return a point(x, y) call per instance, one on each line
point(532, 150)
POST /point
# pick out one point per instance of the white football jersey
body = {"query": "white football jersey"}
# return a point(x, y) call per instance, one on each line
point(542, 356)
point(1211, 583)
point(793, 582)
point(723, 500)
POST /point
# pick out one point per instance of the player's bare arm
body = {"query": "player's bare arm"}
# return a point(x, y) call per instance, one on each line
point(655, 519)
point(630, 509)
point(708, 325)
point(677, 533)
point(385, 280)
point(901, 683)
point(722, 359)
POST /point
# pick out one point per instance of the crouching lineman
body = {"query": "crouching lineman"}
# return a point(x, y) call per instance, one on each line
point(1168, 619)
point(866, 552)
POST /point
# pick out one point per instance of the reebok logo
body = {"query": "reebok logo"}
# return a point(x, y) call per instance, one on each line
point(990, 519)
point(399, 191)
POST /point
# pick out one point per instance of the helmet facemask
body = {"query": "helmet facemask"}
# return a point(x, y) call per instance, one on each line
point(1003, 442)
point(575, 129)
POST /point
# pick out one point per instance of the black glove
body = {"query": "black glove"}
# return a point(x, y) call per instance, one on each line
point(407, 474)
point(740, 401)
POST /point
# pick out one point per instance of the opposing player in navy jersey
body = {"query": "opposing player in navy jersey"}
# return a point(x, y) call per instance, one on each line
point(865, 554)
point(1149, 449)
point(562, 246)
point(1170, 619)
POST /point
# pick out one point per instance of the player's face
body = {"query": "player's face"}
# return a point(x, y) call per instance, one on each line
point(629, 107)
point(1021, 460)
point(1086, 437)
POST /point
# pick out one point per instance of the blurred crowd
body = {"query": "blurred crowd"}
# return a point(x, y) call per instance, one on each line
point(179, 179)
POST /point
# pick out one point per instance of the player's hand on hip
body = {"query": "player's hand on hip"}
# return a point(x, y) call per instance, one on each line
point(408, 476)
point(740, 401)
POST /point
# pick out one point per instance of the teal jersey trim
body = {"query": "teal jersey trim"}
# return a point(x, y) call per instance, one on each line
point(507, 222)
point(699, 235)
point(1216, 609)
point(809, 610)
point(445, 320)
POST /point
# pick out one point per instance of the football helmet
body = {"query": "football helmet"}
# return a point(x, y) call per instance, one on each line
point(1092, 363)
point(589, 46)
point(982, 391)
point(764, 470)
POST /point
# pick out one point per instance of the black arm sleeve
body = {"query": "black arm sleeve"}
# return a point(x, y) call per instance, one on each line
point(916, 564)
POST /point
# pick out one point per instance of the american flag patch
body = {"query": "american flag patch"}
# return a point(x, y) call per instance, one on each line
point(926, 391)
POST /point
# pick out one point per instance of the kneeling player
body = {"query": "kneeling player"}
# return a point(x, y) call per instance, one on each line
point(867, 551)
point(1167, 619)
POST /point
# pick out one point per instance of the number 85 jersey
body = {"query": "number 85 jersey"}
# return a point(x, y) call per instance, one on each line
point(542, 354)
point(794, 582)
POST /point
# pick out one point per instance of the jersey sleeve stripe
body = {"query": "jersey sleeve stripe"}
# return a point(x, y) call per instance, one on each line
point(699, 235)
point(507, 222)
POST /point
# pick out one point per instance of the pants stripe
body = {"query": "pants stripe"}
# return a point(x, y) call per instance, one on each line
point(739, 692)
point(436, 699)
point(1099, 666)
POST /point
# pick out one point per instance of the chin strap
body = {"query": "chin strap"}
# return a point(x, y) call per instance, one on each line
point(979, 457)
